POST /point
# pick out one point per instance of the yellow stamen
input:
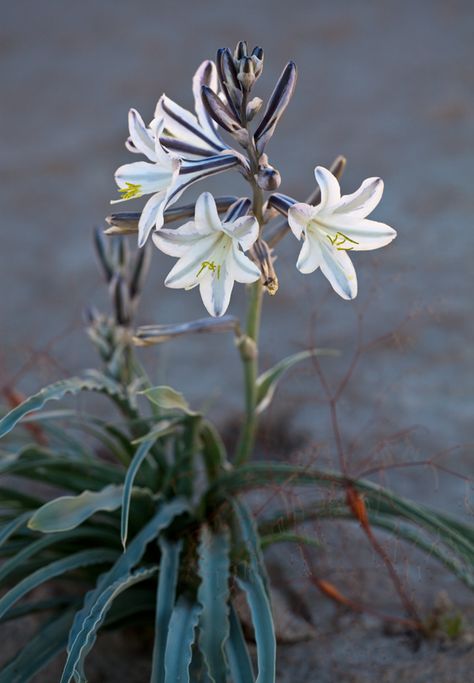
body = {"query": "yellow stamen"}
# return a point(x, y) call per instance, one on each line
point(342, 240)
point(130, 191)
point(210, 265)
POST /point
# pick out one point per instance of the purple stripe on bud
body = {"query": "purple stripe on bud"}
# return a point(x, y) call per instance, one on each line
point(277, 104)
point(281, 202)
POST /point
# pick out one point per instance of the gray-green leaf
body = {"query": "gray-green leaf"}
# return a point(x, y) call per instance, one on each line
point(167, 398)
point(56, 391)
point(180, 640)
point(68, 512)
point(268, 381)
point(213, 596)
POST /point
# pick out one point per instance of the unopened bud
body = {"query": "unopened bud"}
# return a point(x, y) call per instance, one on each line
point(120, 253)
point(121, 300)
point(257, 58)
point(103, 254)
point(268, 178)
point(254, 107)
point(246, 74)
point(241, 51)
point(262, 255)
point(139, 271)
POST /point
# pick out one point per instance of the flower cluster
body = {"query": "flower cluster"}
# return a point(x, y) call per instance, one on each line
point(183, 148)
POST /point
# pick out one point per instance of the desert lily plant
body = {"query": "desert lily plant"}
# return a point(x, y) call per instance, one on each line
point(150, 519)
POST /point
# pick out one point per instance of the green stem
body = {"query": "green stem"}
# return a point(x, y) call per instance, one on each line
point(249, 350)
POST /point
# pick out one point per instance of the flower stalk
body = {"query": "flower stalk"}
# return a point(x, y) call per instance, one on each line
point(248, 355)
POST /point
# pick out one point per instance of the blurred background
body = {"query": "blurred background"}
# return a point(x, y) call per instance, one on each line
point(390, 85)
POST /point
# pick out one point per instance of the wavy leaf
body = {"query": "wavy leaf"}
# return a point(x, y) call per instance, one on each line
point(57, 391)
point(71, 473)
point(268, 381)
point(126, 492)
point(213, 596)
point(129, 558)
point(251, 539)
point(379, 500)
point(91, 623)
point(68, 512)
point(178, 653)
point(51, 571)
point(238, 656)
point(33, 547)
point(253, 586)
point(166, 594)
point(167, 398)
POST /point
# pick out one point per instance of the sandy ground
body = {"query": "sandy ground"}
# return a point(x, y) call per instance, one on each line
point(391, 86)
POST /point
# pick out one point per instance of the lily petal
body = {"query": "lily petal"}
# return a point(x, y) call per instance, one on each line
point(183, 125)
point(151, 216)
point(242, 268)
point(337, 267)
point(310, 256)
point(216, 290)
point(148, 177)
point(237, 209)
point(206, 215)
point(177, 242)
point(359, 235)
point(161, 154)
point(192, 171)
point(244, 230)
point(140, 137)
point(299, 215)
point(184, 273)
point(281, 202)
point(206, 74)
point(329, 185)
point(363, 201)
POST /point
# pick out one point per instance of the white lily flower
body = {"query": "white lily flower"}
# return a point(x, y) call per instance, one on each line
point(157, 176)
point(192, 136)
point(181, 149)
point(210, 254)
point(336, 226)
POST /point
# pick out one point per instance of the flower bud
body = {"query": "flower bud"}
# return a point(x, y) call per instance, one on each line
point(246, 74)
point(262, 255)
point(227, 72)
point(254, 107)
point(139, 271)
point(240, 51)
point(268, 178)
point(120, 254)
point(121, 300)
point(220, 113)
point(102, 251)
point(257, 58)
point(277, 104)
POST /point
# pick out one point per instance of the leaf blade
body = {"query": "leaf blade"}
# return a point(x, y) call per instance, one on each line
point(92, 622)
point(183, 622)
point(166, 594)
point(68, 512)
point(267, 382)
point(55, 392)
point(213, 597)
